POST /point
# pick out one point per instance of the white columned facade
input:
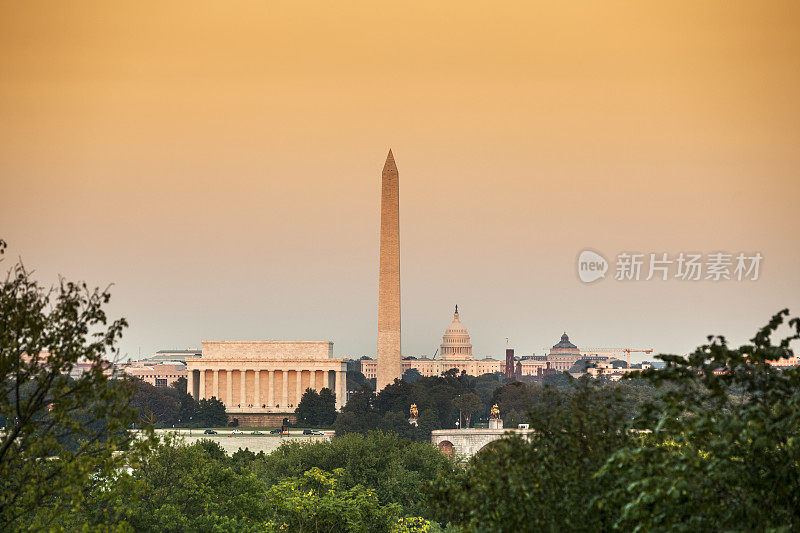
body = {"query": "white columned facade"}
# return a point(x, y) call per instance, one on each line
point(312, 364)
point(271, 390)
point(285, 391)
point(341, 389)
point(229, 389)
point(190, 384)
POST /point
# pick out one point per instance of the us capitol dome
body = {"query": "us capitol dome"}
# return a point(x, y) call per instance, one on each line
point(455, 341)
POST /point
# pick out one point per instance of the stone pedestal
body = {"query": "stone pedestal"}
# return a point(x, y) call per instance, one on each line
point(496, 423)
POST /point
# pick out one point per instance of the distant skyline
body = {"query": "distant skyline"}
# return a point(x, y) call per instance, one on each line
point(220, 164)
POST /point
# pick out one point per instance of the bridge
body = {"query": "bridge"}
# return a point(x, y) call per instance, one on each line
point(468, 442)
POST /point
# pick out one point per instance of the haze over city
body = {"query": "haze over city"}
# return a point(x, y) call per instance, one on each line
point(222, 167)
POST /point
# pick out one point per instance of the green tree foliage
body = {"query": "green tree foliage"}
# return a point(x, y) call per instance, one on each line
point(188, 406)
point(360, 484)
point(316, 409)
point(168, 407)
point(181, 488)
point(427, 422)
point(484, 386)
point(580, 366)
point(211, 413)
point(514, 399)
point(395, 469)
point(60, 430)
point(358, 415)
point(434, 396)
point(356, 380)
point(546, 482)
point(723, 448)
point(316, 501)
point(155, 405)
point(559, 379)
point(467, 403)
point(411, 375)
point(328, 399)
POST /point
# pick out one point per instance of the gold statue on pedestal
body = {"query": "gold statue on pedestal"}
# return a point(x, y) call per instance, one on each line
point(495, 422)
point(414, 415)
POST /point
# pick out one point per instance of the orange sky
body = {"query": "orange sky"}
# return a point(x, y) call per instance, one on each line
point(220, 163)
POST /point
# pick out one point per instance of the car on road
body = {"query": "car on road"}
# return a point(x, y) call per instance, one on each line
point(256, 433)
point(307, 432)
point(237, 432)
point(315, 432)
point(275, 432)
point(209, 432)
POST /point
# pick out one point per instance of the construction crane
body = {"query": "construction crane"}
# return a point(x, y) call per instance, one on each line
point(627, 351)
point(628, 354)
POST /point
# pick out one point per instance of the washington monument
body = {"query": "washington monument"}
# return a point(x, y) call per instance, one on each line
point(389, 358)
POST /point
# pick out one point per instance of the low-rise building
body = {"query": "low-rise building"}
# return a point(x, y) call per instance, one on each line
point(157, 374)
point(176, 355)
point(607, 369)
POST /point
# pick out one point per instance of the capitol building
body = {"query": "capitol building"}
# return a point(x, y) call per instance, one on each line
point(455, 354)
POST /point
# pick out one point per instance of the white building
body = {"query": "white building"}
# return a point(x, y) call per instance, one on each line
point(263, 377)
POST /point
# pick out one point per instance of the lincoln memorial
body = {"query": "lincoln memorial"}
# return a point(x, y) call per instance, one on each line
point(260, 382)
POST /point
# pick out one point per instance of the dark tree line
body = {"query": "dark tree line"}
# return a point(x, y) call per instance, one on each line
point(316, 409)
point(173, 407)
point(453, 400)
point(442, 402)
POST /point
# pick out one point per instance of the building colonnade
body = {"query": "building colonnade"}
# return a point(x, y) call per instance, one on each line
point(258, 389)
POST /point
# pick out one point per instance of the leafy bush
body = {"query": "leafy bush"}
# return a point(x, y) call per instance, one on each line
point(316, 501)
point(395, 469)
point(723, 448)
